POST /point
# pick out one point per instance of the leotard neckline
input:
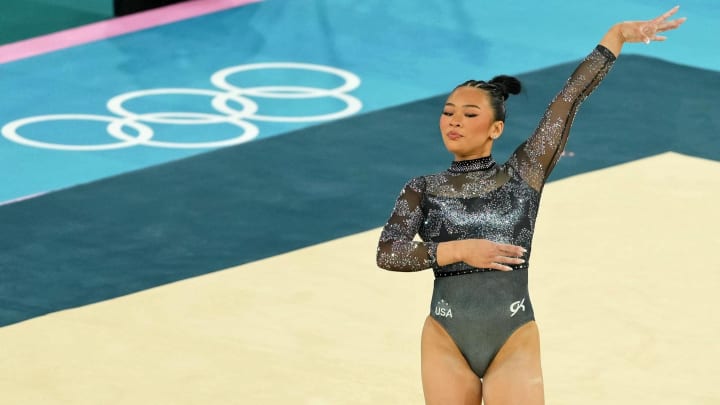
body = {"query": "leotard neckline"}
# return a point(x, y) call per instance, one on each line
point(472, 165)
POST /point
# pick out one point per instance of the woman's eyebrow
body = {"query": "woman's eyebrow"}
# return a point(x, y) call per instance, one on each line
point(464, 105)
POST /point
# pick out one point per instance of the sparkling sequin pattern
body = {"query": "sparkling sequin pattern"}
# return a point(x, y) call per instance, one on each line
point(481, 199)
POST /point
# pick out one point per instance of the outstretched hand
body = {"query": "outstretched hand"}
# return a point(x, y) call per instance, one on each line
point(646, 31)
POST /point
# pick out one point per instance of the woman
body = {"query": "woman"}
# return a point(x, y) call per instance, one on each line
point(476, 220)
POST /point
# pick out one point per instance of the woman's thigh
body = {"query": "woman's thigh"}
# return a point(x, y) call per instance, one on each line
point(515, 374)
point(446, 376)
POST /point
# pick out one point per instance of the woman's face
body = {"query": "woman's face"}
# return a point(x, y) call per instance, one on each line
point(468, 124)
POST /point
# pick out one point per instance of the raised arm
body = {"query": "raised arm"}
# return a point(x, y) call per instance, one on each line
point(538, 155)
point(397, 251)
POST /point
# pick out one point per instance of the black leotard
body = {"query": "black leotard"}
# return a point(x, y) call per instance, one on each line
point(480, 308)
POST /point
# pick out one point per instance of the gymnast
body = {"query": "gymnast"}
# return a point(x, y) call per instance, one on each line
point(476, 221)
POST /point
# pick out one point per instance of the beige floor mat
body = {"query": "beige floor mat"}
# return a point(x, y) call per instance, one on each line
point(624, 281)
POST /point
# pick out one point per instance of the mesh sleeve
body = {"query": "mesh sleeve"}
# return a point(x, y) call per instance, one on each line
point(397, 249)
point(537, 156)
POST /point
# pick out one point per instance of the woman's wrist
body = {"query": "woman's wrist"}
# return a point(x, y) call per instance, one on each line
point(617, 30)
point(614, 39)
point(449, 252)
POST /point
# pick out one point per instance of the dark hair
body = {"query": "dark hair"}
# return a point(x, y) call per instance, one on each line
point(499, 89)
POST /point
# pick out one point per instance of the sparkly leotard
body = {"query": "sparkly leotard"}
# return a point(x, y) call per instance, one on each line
point(481, 308)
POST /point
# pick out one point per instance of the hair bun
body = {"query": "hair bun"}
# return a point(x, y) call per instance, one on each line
point(507, 84)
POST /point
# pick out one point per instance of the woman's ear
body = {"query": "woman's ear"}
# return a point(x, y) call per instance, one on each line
point(496, 129)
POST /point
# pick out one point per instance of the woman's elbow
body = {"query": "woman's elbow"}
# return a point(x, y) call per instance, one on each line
point(381, 261)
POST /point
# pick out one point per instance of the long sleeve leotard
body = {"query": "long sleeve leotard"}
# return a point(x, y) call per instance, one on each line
point(481, 199)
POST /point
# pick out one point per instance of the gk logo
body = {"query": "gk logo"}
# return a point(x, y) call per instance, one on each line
point(516, 306)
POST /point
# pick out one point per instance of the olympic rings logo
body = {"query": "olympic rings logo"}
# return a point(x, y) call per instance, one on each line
point(222, 101)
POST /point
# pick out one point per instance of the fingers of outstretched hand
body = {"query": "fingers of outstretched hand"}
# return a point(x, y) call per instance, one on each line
point(670, 25)
point(660, 24)
point(666, 15)
point(647, 31)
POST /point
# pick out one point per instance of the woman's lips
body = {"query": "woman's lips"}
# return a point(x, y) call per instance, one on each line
point(454, 135)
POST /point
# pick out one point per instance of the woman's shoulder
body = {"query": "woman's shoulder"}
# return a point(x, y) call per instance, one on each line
point(419, 183)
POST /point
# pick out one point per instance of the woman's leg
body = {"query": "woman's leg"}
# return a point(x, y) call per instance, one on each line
point(446, 376)
point(515, 375)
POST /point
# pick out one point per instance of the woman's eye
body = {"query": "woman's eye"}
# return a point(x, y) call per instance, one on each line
point(471, 115)
point(448, 113)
